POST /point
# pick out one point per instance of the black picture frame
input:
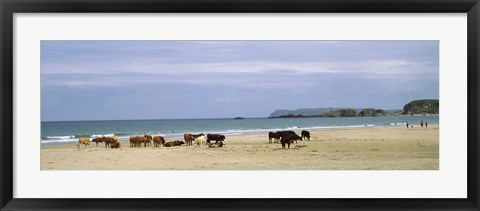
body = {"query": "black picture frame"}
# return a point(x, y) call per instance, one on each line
point(9, 7)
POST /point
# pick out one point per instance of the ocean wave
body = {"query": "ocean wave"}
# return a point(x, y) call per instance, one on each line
point(60, 137)
point(401, 123)
point(102, 135)
point(58, 141)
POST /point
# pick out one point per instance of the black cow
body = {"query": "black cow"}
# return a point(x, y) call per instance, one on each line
point(305, 135)
point(289, 133)
point(215, 137)
point(275, 136)
point(173, 143)
point(288, 138)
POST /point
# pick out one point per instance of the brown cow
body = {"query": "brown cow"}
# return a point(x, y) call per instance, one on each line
point(98, 140)
point(148, 140)
point(188, 138)
point(136, 141)
point(157, 140)
point(109, 140)
point(115, 145)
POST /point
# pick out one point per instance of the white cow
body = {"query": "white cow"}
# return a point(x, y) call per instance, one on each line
point(200, 140)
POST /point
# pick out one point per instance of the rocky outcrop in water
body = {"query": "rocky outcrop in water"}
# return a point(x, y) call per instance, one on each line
point(421, 107)
point(372, 112)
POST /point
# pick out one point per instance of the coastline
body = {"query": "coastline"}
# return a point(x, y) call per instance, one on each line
point(58, 134)
point(375, 148)
point(322, 116)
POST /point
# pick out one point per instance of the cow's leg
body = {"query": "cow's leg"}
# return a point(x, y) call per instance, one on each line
point(289, 145)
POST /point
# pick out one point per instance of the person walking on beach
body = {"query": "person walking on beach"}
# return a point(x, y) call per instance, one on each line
point(421, 123)
point(426, 124)
point(407, 124)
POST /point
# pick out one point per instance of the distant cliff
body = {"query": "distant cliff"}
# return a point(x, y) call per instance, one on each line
point(301, 112)
point(416, 107)
point(307, 112)
point(421, 107)
point(333, 112)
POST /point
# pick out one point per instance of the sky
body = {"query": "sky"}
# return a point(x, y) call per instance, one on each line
point(119, 80)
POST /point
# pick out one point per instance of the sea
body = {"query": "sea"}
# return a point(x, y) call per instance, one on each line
point(67, 132)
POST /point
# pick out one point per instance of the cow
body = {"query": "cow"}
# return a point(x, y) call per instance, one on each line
point(132, 141)
point(115, 145)
point(109, 140)
point(288, 138)
point(98, 140)
point(174, 143)
point(84, 141)
point(188, 138)
point(136, 141)
point(219, 144)
point(147, 140)
point(198, 135)
point(215, 137)
point(289, 133)
point(305, 135)
point(200, 139)
point(275, 136)
point(158, 140)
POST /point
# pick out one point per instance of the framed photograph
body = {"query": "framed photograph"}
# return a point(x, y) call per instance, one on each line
point(255, 105)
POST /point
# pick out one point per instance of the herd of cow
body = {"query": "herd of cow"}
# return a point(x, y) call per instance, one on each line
point(285, 137)
point(146, 141)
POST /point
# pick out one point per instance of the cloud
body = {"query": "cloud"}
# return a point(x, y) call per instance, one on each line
point(227, 99)
point(157, 67)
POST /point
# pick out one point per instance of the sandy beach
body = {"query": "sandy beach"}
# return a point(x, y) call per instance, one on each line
point(391, 148)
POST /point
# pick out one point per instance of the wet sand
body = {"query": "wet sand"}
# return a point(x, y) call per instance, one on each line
point(392, 148)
